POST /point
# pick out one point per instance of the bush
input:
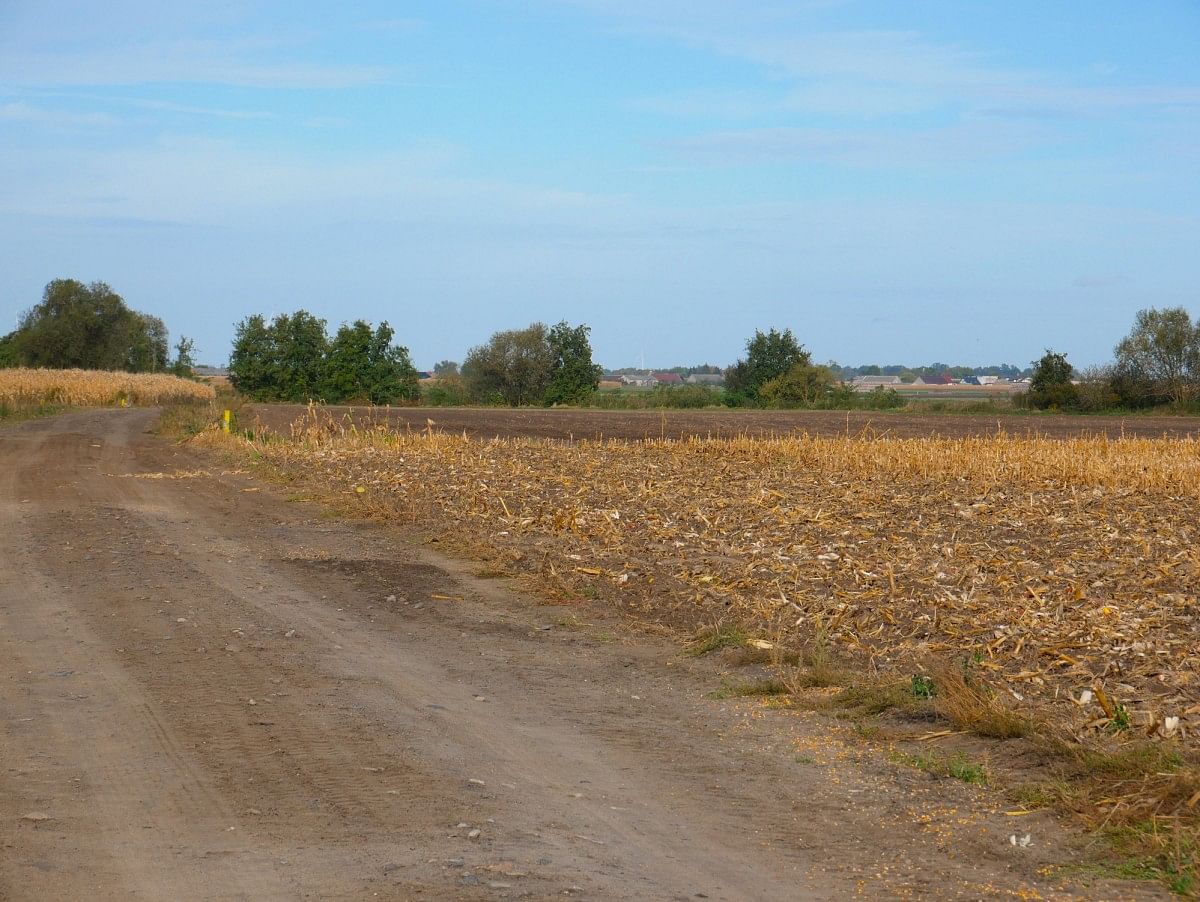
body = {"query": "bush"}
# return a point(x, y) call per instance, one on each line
point(691, 397)
point(769, 356)
point(1095, 392)
point(1053, 397)
point(447, 391)
point(1051, 388)
point(881, 399)
point(803, 384)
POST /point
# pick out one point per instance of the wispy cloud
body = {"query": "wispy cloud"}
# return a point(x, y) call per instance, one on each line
point(877, 148)
point(23, 112)
point(241, 63)
point(168, 106)
point(870, 73)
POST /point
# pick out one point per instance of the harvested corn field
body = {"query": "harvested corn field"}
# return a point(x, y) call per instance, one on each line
point(1064, 573)
point(95, 388)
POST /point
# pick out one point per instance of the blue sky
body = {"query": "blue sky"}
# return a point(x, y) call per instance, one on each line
point(896, 182)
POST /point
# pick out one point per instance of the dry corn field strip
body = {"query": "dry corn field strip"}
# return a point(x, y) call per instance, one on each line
point(93, 388)
point(1066, 571)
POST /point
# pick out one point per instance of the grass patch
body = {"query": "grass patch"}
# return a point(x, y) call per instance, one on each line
point(716, 638)
point(875, 698)
point(15, 413)
point(488, 573)
point(758, 688)
point(957, 766)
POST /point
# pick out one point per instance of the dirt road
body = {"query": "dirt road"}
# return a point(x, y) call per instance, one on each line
point(208, 692)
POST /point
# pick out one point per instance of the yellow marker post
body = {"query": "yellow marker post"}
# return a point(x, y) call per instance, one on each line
point(228, 420)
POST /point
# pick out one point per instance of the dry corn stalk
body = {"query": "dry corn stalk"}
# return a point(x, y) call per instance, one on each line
point(96, 388)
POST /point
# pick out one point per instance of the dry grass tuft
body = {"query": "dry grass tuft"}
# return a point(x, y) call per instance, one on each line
point(970, 705)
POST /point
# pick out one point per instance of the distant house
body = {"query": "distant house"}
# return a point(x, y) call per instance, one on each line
point(987, 380)
point(934, 380)
point(639, 381)
point(870, 383)
point(668, 379)
point(705, 379)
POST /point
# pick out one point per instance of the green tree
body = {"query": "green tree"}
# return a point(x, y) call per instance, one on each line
point(253, 363)
point(444, 369)
point(148, 344)
point(364, 364)
point(803, 384)
point(515, 367)
point(8, 351)
point(185, 360)
point(1051, 386)
point(1160, 358)
point(574, 377)
point(300, 347)
point(768, 356)
point(90, 327)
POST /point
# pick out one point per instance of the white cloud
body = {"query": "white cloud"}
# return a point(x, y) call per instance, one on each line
point(867, 73)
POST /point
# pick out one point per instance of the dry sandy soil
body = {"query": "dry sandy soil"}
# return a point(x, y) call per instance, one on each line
point(641, 424)
point(210, 691)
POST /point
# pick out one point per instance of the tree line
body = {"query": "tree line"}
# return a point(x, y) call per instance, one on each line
point(293, 358)
point(90, 327)
point(1156, 364)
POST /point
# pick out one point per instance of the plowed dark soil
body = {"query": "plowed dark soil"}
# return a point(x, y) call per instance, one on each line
point(643, 424)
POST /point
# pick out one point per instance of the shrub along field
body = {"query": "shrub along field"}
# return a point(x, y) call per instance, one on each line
point(30, 389)
point(1021, 584)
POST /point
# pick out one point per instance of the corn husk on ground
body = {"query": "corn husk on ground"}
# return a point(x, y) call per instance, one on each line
point(96, 388)
point(1066, 572)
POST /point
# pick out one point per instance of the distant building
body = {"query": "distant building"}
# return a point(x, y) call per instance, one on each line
point(705, 379)
point(668, 379)
point(870, 383)
point(934, 380)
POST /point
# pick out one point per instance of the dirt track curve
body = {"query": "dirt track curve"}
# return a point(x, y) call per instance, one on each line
point(206, 693)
